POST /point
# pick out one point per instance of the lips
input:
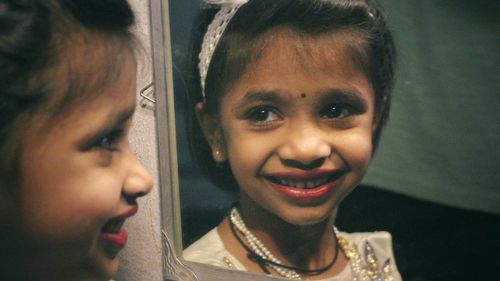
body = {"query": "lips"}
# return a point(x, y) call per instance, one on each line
point(112, 231)
point(305, 186)
point(297, 183)
point(118, 239)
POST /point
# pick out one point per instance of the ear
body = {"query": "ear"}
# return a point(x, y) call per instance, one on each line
point(212, 131)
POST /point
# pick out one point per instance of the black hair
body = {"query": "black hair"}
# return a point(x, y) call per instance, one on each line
point(372, 48)
point(54, 53)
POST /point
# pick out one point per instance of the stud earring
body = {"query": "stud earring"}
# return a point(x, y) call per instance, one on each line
point(219, 158)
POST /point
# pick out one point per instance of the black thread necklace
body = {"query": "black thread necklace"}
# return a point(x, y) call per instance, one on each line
point(263, 262)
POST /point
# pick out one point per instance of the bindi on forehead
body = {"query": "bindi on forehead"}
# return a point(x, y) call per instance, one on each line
point(303, 95)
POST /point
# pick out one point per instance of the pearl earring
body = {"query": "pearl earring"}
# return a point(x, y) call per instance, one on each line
point(219, 158)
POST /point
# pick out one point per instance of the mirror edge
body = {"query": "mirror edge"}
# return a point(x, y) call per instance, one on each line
point(174, 267)
point(166, 141)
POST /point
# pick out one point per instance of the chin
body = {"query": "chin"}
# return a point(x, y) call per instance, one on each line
point(304, 221)
point(104, 268)
point(305, 218)
point(110, 270)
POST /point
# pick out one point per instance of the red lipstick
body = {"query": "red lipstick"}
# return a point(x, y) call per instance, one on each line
point(304, 174)
point(113, 233)
point(118, 239)
point(304, 185)
point(299, 194)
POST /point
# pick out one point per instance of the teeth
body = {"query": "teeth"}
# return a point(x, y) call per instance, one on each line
point(302, 184)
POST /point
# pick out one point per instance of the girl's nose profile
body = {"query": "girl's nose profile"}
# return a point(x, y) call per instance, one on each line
point(139, 181)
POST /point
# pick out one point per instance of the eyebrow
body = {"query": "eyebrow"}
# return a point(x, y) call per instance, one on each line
point(123, 116)
point(117, 121)
point(348, 96)
point(269, 96)
point(262, 95)
point(272, 96)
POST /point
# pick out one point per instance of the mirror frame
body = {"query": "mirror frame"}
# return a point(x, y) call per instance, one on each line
point(174, 266)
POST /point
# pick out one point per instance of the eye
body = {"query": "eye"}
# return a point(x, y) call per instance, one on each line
point(262, 115)
point(337, 111)
point(109, 141)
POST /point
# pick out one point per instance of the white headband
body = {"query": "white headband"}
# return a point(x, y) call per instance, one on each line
point(214, 33)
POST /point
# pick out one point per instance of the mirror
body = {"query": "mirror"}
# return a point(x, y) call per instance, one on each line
point(365, 209)
point(175, 268)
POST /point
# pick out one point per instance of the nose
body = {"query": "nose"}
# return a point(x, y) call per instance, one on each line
point(138, 181)
point(305, 146)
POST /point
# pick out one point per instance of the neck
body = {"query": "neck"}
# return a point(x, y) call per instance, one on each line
point(308, 246)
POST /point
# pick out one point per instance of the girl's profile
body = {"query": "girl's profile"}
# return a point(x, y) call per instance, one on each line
point(69, 179)
point(288, 107)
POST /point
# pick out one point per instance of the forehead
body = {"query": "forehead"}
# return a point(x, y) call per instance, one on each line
point(286, 58)
point(116, 96)
point(325, 51)
point(85, 64)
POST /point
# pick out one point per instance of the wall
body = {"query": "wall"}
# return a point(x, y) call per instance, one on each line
point(141, 259)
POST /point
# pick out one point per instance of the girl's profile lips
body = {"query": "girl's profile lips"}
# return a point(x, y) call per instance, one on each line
point(304, 185)
point(113, 233)
point(132, 210)
point(118, 239)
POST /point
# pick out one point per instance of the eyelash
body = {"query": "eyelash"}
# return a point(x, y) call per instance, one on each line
point(263, 111)
point(110, 141)
point(335, 112)
point(346, 110)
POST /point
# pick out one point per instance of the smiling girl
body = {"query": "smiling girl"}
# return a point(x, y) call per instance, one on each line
point(292, 99)
point(69, 179)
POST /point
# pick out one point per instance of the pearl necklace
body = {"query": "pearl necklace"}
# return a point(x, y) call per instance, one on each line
point(260, 254)
point(363, 269)
point(259, 248)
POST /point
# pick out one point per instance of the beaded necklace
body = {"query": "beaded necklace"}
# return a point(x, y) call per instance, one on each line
point(259, 253)
point(367, 270)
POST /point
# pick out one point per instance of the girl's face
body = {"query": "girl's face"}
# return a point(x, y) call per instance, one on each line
point(79, 181)
point(297, 128)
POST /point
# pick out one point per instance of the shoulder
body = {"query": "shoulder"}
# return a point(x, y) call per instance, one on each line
point(373, 247)
point(380, 241)
point(205, 247)
point(210, 249)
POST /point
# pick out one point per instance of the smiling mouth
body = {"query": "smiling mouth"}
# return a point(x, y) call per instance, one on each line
point(304, 183)
point(114, 235)
point(113, 226)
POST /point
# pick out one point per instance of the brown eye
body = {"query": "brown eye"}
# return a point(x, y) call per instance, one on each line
point(109, 141)
point(337, 111)
point(262, 115)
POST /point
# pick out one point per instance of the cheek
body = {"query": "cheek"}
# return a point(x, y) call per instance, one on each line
point(67, 205)
point(356, 150)
point(246, 153)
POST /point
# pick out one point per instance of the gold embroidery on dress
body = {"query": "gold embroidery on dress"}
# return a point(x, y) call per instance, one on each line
point(366, 268)
point(228, 262)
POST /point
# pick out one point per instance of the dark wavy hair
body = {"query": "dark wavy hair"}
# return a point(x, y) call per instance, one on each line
point(372, 47)
point(53, 55)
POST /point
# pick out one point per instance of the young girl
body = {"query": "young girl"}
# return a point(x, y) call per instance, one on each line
point(292, 100)
point(69, 179)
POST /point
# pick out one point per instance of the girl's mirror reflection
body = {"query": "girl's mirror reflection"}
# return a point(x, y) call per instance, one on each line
point(292, 103)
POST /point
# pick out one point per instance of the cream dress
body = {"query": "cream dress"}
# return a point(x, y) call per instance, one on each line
point(210, 250)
